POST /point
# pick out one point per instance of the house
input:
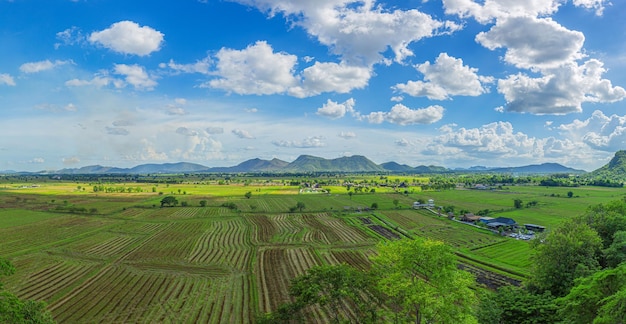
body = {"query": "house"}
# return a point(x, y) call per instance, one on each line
point(429, 204)
point(501, 222)
point(535, 228)
point(470, 218)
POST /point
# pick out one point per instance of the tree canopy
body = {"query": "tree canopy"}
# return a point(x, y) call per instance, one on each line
point(169, 201)
point(422, 278)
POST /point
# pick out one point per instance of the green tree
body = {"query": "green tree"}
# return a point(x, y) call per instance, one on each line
point(350, 193)
point(374, 205)
point(598, 298)
point(202, 203)
point(248, 194)
point(616, 252)
point(169, 201)
point(606, 219)
point(300, 206)
point(570, 194)
point(16, 311)
point(396, 202)
point(515, 305)
point(422, 281)
point(517, 203)
point(570, 251)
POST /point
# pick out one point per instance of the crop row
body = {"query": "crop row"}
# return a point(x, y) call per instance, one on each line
point(356, 259)
point(275, 269)
point(174, 241)
point(50, 281)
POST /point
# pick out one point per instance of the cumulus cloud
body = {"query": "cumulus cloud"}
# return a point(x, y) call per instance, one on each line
point(359, 31)
point(488, 10)
point(34, 67)
point(136, 76)
point(214, 130)
point(70, 160)
point(403, 115)
point(309, 142)
point(7, 79)
point(70, 36)
point(242, 133)
point(402, 142)
point(254, 70)
point(98, 81)
point(334, 110)
point(446, 77)
point(128, 37)
point(331, 77)
point(498, 140)
point(173, 110)
point(347, 135)
point(533, 43)
point(560, 91)
point(600, 132)
point(186, 131)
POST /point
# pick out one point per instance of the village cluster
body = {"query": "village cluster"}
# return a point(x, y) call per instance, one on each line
point(503, 225)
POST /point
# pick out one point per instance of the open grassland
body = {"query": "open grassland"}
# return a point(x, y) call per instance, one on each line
point(118, 257)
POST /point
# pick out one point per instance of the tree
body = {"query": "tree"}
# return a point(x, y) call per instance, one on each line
point(570, 194)
point(599, 298)
point(396, 202)
point(350, 193)
point(15, 310)
point(517, 203)
point(570, 251)
point(300, 206)
point(374, 205)
point(515, 305)
point(169, 201)
point(422, 282)
point(202, 203)
point(248, 194)
point(616, 253)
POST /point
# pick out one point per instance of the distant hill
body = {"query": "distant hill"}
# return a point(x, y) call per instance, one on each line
point(614, 170)
point(309, 163)
point(543, 168)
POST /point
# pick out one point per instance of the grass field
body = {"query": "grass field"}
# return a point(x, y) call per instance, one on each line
point(113, 257)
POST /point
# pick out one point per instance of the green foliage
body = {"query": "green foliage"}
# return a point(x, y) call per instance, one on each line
point(300, 205)
point(16, 311)
point(616, 253)
point(422, 282)
point(515, 305)
point(570, 251)
point(248, 194)
point(599, 298)
point(374, 205)
point(169, 201)
point(606, 219)
point(517, 203)
point(202, 203)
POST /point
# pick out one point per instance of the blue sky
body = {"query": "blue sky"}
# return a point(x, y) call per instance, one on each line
point(455, 83)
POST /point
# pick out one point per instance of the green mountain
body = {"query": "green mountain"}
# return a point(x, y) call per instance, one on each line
point(355, 163)
point(614, 170)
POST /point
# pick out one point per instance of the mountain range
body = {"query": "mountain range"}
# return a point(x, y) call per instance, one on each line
point(309, 163)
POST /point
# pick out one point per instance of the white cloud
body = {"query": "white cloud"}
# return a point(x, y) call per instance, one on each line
point(37, 160)
point(488, 10)
point(34, 67)
point(533, 43)
point(560, 91)
point(186, 131)
point(128, 37)
point(70, 160)
point(309, 142)
point(242, 133)
point(331, 77)
point(397, 98)
point(446, 77)
point(600, 132)
point(251, 110)
point(136, 75)
point(334, 110)
point(7, 79)
point(597, 5)
point(70, 107)
point(202, 66)
point(403, 115)
point(347, 135)
point(359, 31)
point(99, 80)
point(402, 142)
point(254, 70)
point(70, 36)
point(214, 130)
